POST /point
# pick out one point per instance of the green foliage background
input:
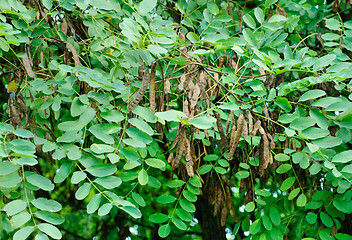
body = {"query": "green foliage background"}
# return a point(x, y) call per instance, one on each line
point(134, 119)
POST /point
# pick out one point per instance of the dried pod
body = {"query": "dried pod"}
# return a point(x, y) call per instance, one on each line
point(234, 141)
point(227, 123)
point(27, 65)
point(272, 143)
point(195, 96)
point(141, 91)
point(256, 126)
point(170, 158)
point(245, 129)
point(223, 214)
point(180, 147)
point(152, 88)
point(74, 54)
point(229, 204)
point(294, 147)
point(263, 74)
point(140, 72)
point(227, 181)
point(222, 61)
point(265, 159)
point(221, 130)
point(250, 122)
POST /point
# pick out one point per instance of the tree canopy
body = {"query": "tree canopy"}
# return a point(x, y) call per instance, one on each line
point(197, 119)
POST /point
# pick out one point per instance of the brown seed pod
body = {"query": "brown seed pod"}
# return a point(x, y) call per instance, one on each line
point(227, 181)
point(195, 96)
point(141, 91)
point(245, 129)
point(265, 159)
point(222, 61)
point(250, 122)
point(27, 65)
point(229, 204)
point(221, 130)
point(272, 143)
point(74, 54)
point(256, 126)
point(234, 141)
point(152, 88)
point(223, 214)
point(180, 147)
point(170, 158)
point(263, 74)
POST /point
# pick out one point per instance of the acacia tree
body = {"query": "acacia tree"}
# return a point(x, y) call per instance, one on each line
point(175, 119)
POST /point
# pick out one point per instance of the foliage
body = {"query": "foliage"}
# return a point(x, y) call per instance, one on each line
point(160, 118)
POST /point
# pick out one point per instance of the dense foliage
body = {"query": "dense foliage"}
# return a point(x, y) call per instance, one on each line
point(195, 119)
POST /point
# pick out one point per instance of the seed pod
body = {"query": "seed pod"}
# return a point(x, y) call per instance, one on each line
point(264, 159)
point(223, 214)
point(74, 54)
point(152, 88)
point(256, 126)
point(272, 143)
point(141, 91)
point(221, 130)
point(234, 141)
point(170, 158)
point(250, 122)
point(245, 129)
point(229, 204)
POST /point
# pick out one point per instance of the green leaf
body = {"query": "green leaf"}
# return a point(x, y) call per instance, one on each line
point(109, 182)
point(138, 199)
point(343, 157)
point(220, 170)
point(255, 226)
point(41, 236)
point(23, 133)
point(112, 116)
point(274, 215)
point(40, 181)
point(189, 196)
point(147, 5)
point(145, 113)
point(166, 199)
point(158, 218)
point(242, 174)
point(311, 218)
point(283, 103)
point(186, 205)
point(77, 107)
point(102, 170)
point(249, 21)
point(267, 222)
point(333, 24)
point(94, 203)
point(328, 142)
point(77, 177)
point(294, 193)
point(47, 204)
point(15, 207)
point(143, 177)
point(10, 180)
point(7, 167)
point(250, 207)
point(302, 123)
point(175, 183)
point(133, 211)
point(259, 15)
point(287, 183)
point(83, 191)
point(301, 200)
point(50, 230)
point(249, 37)
point(62, 173)
point(301, 158)
point(23, 233)
point(193, 37)
point(342, 236)
point(311, 94)
point(164, 230)
point(314, 133)
point(50, 217)
point(104, 209)
point(141, 125)
point(179, 224)
point(20, 219)
point(195, 181)
point(283, 168)
point(213, 8)
point(171, 115)
point(203, 122)
point(101, 148)
point(183, 214)
point(326, 219)
point(281, 157)
point(205, 169)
